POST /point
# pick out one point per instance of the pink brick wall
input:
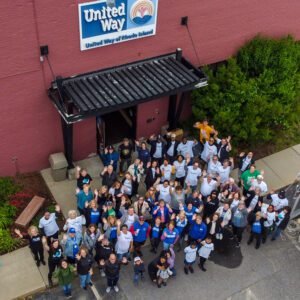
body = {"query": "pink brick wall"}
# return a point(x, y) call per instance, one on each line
point(29, 125)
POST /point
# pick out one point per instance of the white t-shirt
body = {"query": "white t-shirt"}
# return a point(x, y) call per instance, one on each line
point(50, 226)
point(127, 187)
point(170, 151)
point(224, 173)
point(129, 221)
point(253, 202)
point(158, 151)
point(192, 175)
point(205, 250)
point(123, 242)
point(270, 219)
point(75, 223)
point(262, 185)
point(167, 171)
point(186, 148)
point(208, 152)
point(164, 193)
point(279, 203)
point(190, 254)
point(246, 163)
point(207, 187)
point(180, 168)
point(213, 167)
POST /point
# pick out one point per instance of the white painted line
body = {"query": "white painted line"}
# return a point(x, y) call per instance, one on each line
point(96, 294)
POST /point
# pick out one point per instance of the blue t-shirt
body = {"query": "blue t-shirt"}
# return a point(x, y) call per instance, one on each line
point(256, 227)
point(171, 236)
point(113, 233)
point(189, 213)
point(94, 216)
point(197, 231)
point(180, 225)
point(155, 232)
point(141, 235)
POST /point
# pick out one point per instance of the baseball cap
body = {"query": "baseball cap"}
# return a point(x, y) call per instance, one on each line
point(72, 230)
point(137, 259)
point(260, 177)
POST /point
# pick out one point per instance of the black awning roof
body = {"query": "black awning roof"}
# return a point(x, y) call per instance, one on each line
point(103, 91)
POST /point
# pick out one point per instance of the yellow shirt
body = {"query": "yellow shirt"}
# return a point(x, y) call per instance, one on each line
point(205, 132)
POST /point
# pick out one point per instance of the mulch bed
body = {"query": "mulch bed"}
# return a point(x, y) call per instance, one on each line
point(33, 184)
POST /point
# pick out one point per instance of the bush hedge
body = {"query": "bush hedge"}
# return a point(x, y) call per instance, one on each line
point(255, 96)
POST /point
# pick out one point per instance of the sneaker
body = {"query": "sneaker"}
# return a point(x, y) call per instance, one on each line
point(43, 262)
point(69, 296)
point(102, 273)
point(191, 269)
point(50, 283)
point(38, 263)
point(90, 283)
point(85, 288)
point(186, 270)
point(108, 289)
point(203, 269)
point(116, 288)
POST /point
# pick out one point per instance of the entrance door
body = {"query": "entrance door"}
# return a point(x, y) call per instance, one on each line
point(117, 125)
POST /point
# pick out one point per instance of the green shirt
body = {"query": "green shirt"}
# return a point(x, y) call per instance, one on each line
point(64, 276)
point(247, 176)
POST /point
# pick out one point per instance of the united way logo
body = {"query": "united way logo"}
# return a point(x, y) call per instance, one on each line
point(142, 11)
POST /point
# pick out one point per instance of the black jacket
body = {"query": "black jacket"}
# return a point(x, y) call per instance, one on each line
point(84, 264)
point(112, 270)
point(108, 180)
point(222, 152)
point(153, 147)
point(87, 215)
point(149, 179)
point(219, 228)
point(175, 147)
point(102, 252)
point(210, 207)
point(242, 161)
point(284, 223)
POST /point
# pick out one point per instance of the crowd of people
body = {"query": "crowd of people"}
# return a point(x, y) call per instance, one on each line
point(178, 194)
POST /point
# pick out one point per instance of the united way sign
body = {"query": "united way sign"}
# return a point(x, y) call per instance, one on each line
point(107, 22)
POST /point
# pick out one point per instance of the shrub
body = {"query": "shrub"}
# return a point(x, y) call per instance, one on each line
point(7, 188)
point(7, 242)
point(7, 212)
point(255, 96)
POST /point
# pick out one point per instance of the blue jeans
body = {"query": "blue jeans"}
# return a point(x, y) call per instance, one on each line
point(120, 256)
point(67, 289)
point(166, 246)
point(84, 280)
point(136, 277)
point(276, 233)
point(174, 272)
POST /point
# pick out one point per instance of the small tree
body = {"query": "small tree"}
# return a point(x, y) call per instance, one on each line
point(255, 96)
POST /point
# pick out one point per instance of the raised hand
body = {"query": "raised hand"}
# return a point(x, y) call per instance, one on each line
point(57, 208)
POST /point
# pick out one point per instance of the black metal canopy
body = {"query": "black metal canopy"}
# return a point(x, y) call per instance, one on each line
point(103, 91)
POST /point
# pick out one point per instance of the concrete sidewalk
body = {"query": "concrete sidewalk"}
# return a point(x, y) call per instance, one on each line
point(280, 168)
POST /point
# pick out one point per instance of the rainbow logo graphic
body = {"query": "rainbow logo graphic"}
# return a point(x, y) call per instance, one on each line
point(142, 11)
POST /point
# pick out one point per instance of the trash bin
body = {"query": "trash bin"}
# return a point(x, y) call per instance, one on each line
point(59, 166)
